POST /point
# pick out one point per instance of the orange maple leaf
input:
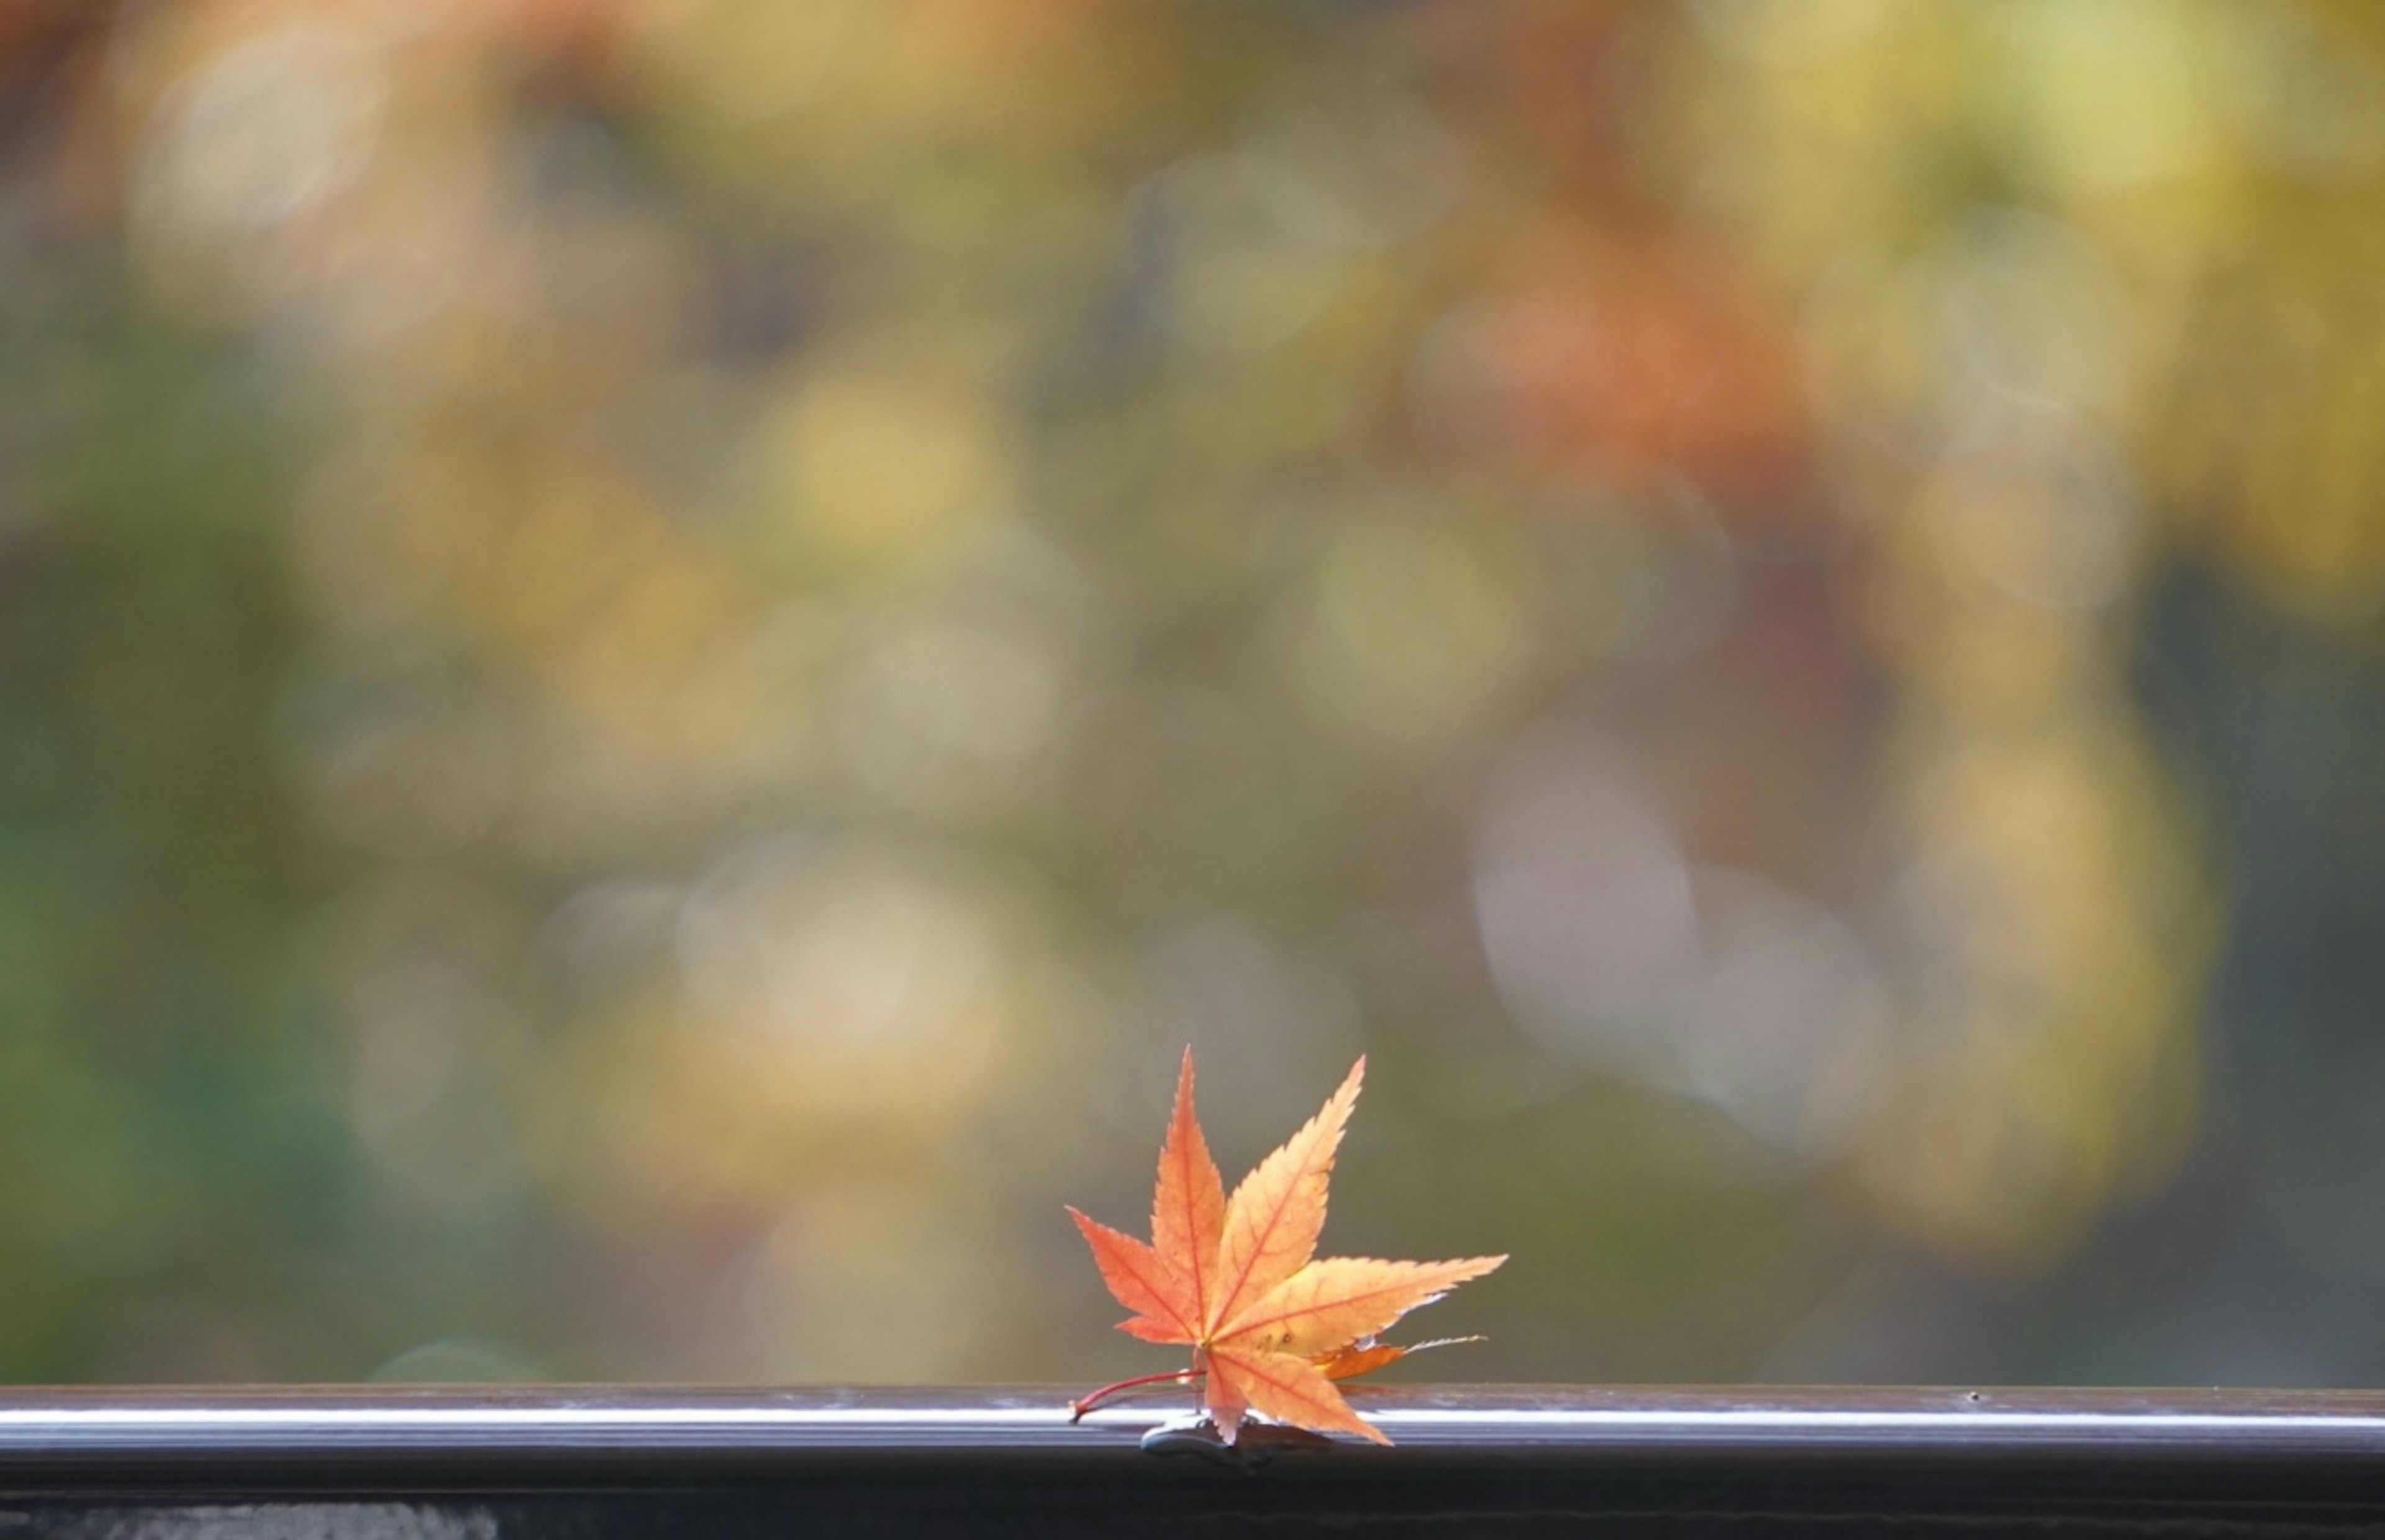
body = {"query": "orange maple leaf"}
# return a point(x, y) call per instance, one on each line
point(1271, 1326)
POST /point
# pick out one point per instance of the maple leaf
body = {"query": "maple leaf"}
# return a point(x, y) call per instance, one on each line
point(1272, 1326)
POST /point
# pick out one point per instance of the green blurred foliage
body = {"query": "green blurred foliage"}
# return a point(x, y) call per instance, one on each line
point(654, 656)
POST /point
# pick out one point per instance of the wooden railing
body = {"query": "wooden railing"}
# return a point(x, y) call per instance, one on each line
point(600, 1463)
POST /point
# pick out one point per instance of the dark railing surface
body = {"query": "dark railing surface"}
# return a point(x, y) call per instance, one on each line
point(599, 1462)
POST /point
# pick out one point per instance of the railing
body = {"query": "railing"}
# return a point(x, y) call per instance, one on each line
point(595, 1463)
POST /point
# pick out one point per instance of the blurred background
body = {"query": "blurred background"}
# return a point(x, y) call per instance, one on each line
point(657, 654)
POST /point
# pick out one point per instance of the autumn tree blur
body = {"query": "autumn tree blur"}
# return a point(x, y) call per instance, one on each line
point(656, 656)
